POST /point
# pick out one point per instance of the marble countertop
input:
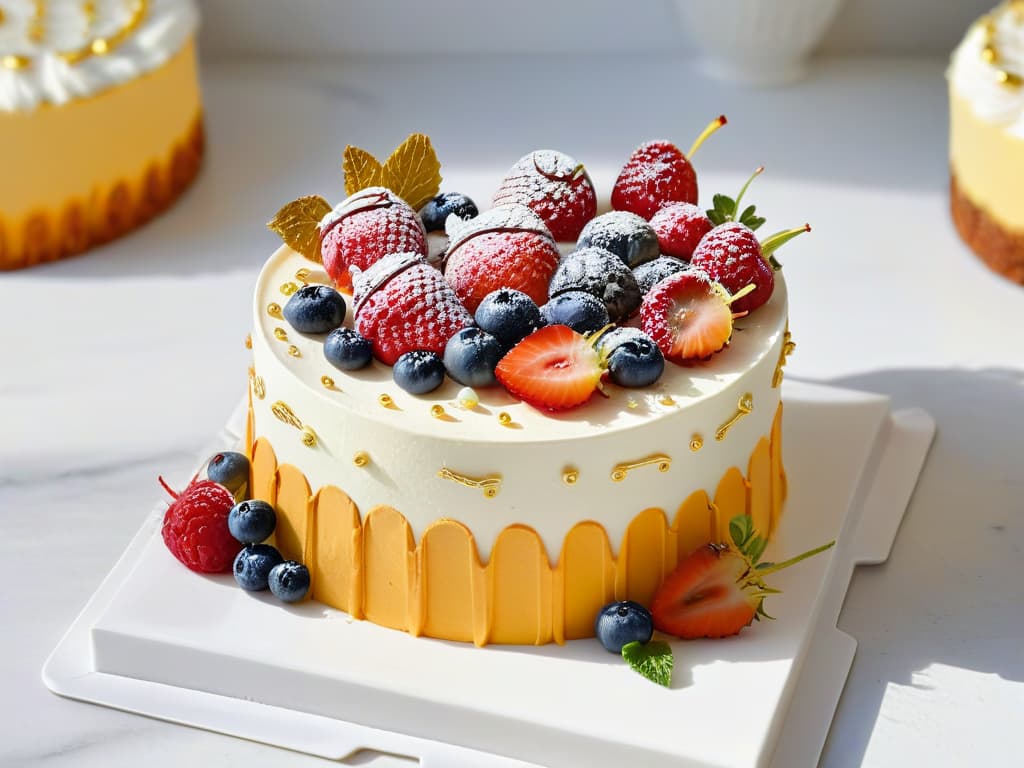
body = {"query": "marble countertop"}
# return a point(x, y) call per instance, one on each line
point(121, 364)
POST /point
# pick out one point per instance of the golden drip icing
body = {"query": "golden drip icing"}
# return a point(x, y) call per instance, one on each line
point(248, 341)
point(284, 413)
point(327, 381)
point(696, 442)
point(490, 485)
point(258, 387)
point(386, 401)
point(289, 288)
point(990, 51)
point(620, 471)
point(274, 310)
point(744, 407)
point(302, 275)
point(570, 475)
point(788, 345)
point(361, 459)
point(281, 334)
point(294, 351)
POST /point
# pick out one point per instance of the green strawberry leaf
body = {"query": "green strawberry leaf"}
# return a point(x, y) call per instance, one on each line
point(755, 548)
point(741, 528)
point(750, 217)
point(653, 660)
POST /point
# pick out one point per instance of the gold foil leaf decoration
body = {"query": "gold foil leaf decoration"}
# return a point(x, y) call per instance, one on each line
point(413, 171)
point(361, 169)
point(298, 225)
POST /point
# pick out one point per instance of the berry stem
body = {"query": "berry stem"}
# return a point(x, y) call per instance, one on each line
point(776, 241)
point(743, 191)
point(794, 560)
point(749, 288)
point(713, 126)
point(174, 494)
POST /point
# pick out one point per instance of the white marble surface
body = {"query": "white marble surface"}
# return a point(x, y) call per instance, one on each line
point(121, 364)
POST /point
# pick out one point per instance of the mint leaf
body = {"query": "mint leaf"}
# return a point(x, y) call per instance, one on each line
point(653, 660)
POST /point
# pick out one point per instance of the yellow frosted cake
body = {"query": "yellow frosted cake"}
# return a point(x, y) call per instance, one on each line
point(100, 120)
point(568, 474)
point(986, 92)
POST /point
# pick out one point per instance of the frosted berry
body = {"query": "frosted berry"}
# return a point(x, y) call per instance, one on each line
point(602, 274)
point(436, 212)
point(581, 311)
point(679, 227)
point(471, 356)
point(347, 349)
point(315, 309)
point(510, 316)
point(554, 186)
point(635, 362)
point(418, 372)
point(625, 234)
point(653, 272)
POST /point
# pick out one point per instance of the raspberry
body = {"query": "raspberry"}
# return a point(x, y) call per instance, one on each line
point(555, 187)
point(404, 305)
point(195, 527)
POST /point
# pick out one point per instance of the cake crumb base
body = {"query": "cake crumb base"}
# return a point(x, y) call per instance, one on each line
point(1000, 249)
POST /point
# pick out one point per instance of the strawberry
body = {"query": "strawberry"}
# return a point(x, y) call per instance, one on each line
point(505, 247)
point(195, 527)
point(731, 254)
point(555, 187)
point(680, 226)
point(658, 173)
point(554, 368)
point(719, 589)
point(364, 227)
point(403, 304)
point(688, 316)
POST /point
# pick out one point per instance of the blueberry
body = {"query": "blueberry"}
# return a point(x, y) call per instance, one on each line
point(253, 565)
point(623, 622)
point(347, 349)
point(289, 581)
point(252, 521)
point(315, 309)
point(508, 315)
point(602, 274)
point(653, 272)
point(418, 372)
point(628, 236)
point(636, 361)
point(471, 356)
point(230, 469)
point(581, 311)
point(435, 212)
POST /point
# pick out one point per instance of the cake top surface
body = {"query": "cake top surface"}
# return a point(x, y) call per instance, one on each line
point(53, 52)
point(617, 409)
point(987, 67)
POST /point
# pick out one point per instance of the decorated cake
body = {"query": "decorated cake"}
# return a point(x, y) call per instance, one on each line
point(525, 424)
point(986, 92)
point(100, 120)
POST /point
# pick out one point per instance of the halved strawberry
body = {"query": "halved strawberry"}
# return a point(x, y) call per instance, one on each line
point(554, 368)
point(719, 589)
point(688, 316)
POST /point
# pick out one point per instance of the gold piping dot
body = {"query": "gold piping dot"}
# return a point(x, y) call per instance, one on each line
point(327, 381)
point(294, 351)
point(504, 419)
point(385, 400)
point(570, 476)
point(437, 411)
point(361, 459)
point(281, 334)
point(274, 310)
point(289, 288)
point(696, 442)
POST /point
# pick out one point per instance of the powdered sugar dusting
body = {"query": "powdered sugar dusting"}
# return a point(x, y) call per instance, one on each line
point(655, 174)
point(511, 216)
point(551, 183)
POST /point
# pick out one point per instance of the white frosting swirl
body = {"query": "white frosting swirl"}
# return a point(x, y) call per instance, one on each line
point(49, 78)
point(977, 80)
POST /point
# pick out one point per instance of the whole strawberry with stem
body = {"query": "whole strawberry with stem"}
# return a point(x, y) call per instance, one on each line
point(731, 253)
point(363, 228)
point(658, 173)
point(195, 527)
point(555, 187)
point(719, 589)
point(505, 247)
point(403, 305)
point(689, 316)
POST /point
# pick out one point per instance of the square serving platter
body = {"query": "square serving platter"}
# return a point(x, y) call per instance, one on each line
point(161, 641)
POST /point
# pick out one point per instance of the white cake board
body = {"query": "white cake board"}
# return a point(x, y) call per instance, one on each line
point(161, 641)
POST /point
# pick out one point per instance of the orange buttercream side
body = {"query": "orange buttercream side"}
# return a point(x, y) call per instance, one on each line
point(372, 566)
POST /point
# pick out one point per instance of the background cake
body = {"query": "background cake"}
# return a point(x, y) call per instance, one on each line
point(986, 93)
point(100, 121)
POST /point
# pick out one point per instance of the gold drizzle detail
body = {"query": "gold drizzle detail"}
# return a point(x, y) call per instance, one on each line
point(696, 442)
point(289, 288)
point(327, 381)
point(570, 475)
point(620, 471)
point(274, 310)
point(294, 351)
point(743, 407)
point(284, 413)
point(259, 388)
point(386, 401)
point(302, 275)
point(281, 334)
point(788, 345)
point(490, 485)
point(990, 52)
point(361, 459)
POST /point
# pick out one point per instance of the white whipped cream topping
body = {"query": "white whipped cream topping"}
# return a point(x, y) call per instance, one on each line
point(976, 79)
point(166, 27)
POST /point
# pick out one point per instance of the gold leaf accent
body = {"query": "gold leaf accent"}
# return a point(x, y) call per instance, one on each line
point(284, 413)
point(298, 224)
point(361, 169)
point(259, 388)
point(619, 471)
point(413, 171)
